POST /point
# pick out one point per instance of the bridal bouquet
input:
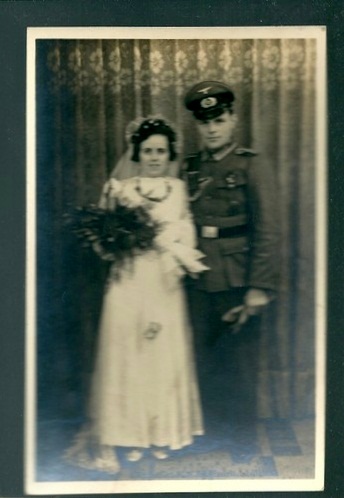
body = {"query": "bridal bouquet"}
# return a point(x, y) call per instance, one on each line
point(115, 234)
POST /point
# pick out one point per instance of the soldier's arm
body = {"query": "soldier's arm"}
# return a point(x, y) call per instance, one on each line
point(264, 219)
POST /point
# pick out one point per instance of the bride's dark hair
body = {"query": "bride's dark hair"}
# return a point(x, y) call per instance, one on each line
point(153, 127)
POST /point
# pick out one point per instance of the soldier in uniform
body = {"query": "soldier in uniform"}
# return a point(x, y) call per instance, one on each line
point(232, 195)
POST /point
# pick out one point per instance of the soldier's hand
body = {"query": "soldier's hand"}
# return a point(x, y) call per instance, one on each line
point(255, 301)
point(236, 318)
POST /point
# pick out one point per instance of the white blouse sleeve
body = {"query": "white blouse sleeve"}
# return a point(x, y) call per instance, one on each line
point(179, 240)
point(110, 191)
point(187, 228)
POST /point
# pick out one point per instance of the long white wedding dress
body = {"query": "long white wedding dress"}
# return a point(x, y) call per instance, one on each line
point(144, 390)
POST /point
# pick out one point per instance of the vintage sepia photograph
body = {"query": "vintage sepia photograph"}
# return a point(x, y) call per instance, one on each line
point(176, 249)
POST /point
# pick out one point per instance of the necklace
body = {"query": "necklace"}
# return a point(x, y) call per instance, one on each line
point(148, 196)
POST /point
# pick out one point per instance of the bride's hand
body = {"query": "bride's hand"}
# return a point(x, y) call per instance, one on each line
point(193, 275)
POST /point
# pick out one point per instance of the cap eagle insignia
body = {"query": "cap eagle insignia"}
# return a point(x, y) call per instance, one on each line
point(204, 90)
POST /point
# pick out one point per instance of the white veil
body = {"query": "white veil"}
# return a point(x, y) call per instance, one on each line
point(125, 167)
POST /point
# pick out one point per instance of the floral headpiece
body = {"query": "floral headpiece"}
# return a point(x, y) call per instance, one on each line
point(139, 126)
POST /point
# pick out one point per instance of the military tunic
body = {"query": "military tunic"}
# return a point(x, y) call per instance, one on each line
point(233, 201)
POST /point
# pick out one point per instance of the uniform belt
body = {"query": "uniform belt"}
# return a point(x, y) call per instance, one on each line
point(210, 232)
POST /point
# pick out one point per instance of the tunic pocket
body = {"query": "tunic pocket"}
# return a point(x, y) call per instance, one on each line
point(236, 252)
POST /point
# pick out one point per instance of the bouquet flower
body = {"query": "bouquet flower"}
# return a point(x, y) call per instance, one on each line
point(116, 234)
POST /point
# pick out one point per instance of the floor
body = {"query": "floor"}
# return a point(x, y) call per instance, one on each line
point(283, 449)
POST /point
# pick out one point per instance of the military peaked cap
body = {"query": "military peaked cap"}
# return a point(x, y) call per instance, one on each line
point(209, 99)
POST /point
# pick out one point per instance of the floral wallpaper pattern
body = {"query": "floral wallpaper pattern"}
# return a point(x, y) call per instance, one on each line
point(167, 64)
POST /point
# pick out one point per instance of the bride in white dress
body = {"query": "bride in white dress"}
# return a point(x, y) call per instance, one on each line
point(144, 393)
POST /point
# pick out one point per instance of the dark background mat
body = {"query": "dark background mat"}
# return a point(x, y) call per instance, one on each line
point(15, 17)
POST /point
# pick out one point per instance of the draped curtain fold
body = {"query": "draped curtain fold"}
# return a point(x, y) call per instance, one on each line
point(87, 93)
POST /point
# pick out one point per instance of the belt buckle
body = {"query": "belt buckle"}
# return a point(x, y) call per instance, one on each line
point(209, 232)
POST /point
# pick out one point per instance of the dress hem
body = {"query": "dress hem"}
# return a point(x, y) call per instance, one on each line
point(181, 445)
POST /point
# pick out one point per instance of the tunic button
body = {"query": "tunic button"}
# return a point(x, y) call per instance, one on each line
point(234, 207)
point(231, 180)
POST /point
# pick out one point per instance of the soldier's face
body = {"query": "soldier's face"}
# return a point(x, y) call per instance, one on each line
point(217, 132)
point(154, 156)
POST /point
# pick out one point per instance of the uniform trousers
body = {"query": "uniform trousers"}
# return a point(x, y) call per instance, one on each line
point(227, 364)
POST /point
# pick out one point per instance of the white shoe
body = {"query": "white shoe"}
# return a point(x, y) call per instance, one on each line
point(160, 454)
point(134, 455)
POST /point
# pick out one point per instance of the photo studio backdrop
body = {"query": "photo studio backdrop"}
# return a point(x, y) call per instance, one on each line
point(87, 93)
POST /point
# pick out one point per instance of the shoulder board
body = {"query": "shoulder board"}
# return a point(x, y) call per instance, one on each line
point(241, 151)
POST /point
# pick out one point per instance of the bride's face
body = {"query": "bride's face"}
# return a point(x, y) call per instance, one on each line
point(154, 156)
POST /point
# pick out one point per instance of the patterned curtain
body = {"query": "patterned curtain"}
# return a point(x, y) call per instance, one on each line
point(87, 93)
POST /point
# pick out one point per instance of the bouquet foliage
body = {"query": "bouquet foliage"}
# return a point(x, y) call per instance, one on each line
point(115, 235)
